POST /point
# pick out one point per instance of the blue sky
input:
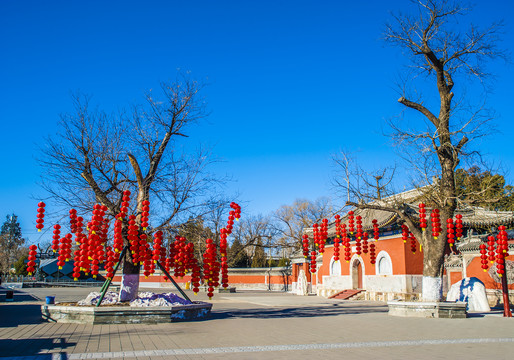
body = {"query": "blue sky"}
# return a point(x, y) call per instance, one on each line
point(290, 83)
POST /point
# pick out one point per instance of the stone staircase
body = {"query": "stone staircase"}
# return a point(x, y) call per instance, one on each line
point(346, 294)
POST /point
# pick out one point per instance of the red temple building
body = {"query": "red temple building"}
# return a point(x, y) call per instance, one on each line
point(397, 272)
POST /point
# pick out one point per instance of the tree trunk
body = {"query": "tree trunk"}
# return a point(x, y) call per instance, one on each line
point(130, 278)
point(433, 258)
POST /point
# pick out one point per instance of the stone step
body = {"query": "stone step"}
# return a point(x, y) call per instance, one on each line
point(346, 294)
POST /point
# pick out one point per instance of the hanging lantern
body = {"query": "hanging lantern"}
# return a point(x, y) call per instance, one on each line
point(351, 222)
point(490, 248)
point(323, 235)
point(450, 231)
point(305, 245)
point(483, 257)
point(40, 216)
point(376, 230)
point(458, 226)
point(422, 217)
point(503, 240)
point(313, 262)
point(124, 205)
point(372, 255)
point(436, 224)
point(405, 233)
point(365, 242)
point(315, 234)
point(56, 237)
point(31, 264)
point(412, 242)
point(358, 221)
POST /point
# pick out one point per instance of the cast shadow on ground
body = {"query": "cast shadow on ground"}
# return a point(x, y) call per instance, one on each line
point(12, 315)
point(298, 312)
point(31, 347)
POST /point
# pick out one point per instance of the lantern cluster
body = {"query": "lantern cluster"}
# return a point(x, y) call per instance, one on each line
point(422, 216)
point(450, 232)
point(436, 223)
point(92, 250)
point(31, 264)
point(40, 221)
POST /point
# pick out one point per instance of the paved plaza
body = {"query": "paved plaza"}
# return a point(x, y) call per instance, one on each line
point(254, 325)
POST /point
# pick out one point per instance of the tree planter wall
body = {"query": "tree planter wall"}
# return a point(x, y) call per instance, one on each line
point(125, 314)
point(448, 310)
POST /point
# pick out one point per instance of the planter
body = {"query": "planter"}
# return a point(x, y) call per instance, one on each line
point(442, 309)
point(125, 314)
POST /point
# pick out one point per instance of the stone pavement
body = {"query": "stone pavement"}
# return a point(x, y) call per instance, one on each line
point(254, 325)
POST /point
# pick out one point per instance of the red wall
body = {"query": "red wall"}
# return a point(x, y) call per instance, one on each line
point(474, 269)
point(404, 261)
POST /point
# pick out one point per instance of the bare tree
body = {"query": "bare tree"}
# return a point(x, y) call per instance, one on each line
point(255, 231)
point(439, 130)
point(97, 156)
point(291, 220)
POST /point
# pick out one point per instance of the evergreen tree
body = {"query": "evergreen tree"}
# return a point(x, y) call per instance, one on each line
point(10, 242)
point(237, 255)
point(259, 257)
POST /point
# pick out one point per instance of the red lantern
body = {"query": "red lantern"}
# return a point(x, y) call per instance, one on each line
point(458, 226)
point(323, 234)
point(365, 242)
point(422, 217)
point(358, 221)
point(405, 233)
point(40, 216)
point(483, 257)
point(305, 245)
point(351, 222)
point(490, 248)
point(372, 256)
point(31, 264)
point(124, 205)
point(412, 242)
point(376, 230)
point(145, 214)
point(436, 223)
point(450, 231)
point(313, 262)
